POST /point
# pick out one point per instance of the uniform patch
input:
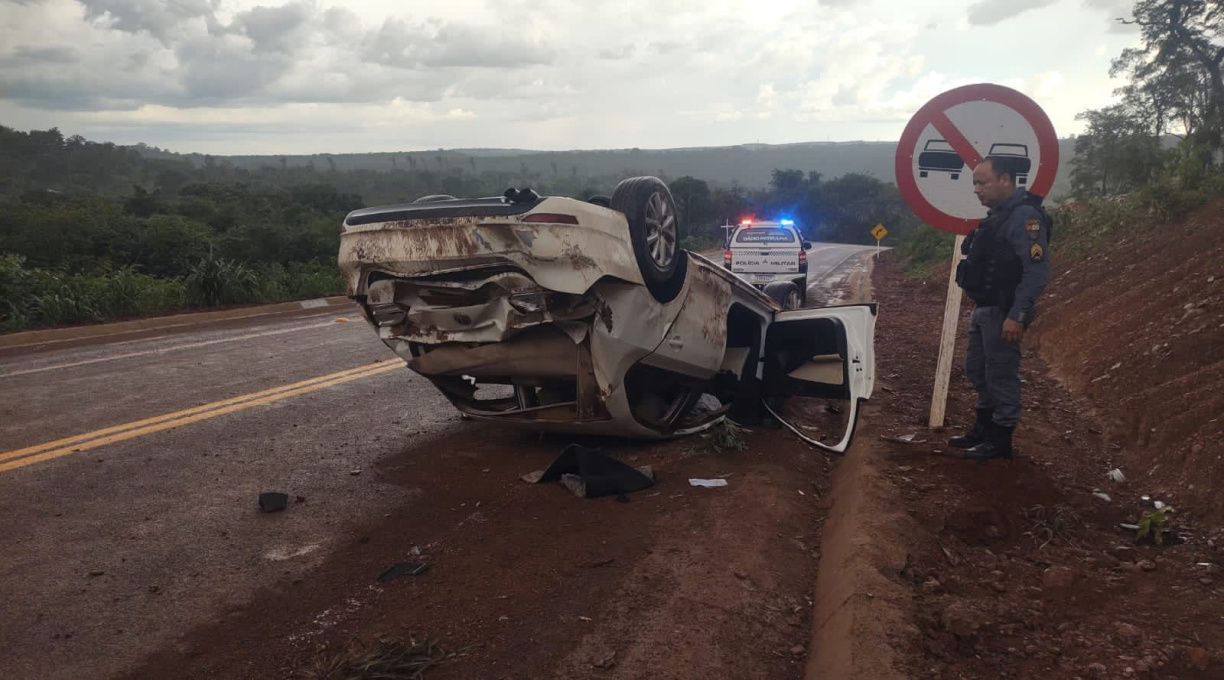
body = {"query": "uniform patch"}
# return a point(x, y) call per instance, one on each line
point(1036, 253)
point(1033, 229)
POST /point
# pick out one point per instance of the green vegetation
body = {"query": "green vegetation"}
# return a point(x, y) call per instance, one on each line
point(1152, 526)
point(94, 232)
point(922, 250)
point(726, 436)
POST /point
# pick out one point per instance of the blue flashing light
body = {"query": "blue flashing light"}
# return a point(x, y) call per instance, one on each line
point(788, 222)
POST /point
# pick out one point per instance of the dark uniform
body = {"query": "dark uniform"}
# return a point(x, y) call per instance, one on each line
point(1006, 268)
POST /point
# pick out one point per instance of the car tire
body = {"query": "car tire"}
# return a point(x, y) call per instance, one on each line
point(600, 200)
point(654, 232)
point(786, 294)
point(801, 284)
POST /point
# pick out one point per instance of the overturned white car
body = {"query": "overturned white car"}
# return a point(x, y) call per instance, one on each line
point(587, 317)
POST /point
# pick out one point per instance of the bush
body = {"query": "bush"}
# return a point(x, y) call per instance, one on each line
point(923, 249)
point(298, 281)
point(697, 244)
point(36, 297)
point(217, 281)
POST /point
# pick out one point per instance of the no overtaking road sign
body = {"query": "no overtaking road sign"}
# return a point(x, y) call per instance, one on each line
point(958, 129)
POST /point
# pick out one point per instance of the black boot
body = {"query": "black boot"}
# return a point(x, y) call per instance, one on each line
point(977, 435)
point(998, 444)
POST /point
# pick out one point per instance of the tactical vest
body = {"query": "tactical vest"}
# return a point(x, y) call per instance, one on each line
point(991, 270)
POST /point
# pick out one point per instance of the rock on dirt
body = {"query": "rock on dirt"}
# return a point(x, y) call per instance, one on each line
point(1130, 633)
point(1200, 658)
point(1058, 578)
point(962, 619)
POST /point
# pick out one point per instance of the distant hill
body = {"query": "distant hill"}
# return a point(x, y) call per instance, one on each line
point(749, 165)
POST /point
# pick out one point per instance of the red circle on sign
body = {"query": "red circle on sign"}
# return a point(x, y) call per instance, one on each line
point(935, 109)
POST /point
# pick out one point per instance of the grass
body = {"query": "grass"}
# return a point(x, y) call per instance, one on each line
point(922, 250)
point(384, 660)
point(726, 436)
point(39, 298)
point(1050, 525)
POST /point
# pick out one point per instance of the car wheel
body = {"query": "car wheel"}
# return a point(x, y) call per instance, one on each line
point(785, 293)
point(801, 284)
point(600, 200)
point(654, 232)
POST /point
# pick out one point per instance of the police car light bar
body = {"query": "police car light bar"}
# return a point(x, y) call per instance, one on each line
point(788, 222)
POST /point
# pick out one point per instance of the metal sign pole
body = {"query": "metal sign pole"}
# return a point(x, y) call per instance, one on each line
point(947, 341)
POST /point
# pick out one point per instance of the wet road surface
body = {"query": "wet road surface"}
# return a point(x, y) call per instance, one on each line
point(130, 471)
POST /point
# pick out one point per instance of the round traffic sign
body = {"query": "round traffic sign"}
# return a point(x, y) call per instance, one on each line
point(952, 133)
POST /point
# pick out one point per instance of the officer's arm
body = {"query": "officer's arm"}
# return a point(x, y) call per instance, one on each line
point(1029, 238)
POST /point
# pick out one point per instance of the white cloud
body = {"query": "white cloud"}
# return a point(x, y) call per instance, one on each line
point(302, 75)
point(990, 12)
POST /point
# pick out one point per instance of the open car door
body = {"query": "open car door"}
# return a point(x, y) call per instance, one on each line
point(819, 364)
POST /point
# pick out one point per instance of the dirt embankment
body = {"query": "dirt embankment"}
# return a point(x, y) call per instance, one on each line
point(1015, 569)
point(1136, 325)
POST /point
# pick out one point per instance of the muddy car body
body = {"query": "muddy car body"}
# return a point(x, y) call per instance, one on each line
point(584, 316)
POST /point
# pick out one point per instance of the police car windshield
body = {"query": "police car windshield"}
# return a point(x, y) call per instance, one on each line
point(765, 235)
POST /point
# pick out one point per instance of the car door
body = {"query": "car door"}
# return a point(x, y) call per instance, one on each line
point(819, 364)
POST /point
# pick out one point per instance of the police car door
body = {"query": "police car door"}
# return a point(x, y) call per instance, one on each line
point(819, 364)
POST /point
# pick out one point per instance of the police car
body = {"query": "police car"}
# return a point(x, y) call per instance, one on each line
point(773, 257)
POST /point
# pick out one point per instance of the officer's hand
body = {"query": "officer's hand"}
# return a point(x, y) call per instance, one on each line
point(1012, 331)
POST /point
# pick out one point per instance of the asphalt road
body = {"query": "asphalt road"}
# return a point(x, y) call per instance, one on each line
point(130, 471)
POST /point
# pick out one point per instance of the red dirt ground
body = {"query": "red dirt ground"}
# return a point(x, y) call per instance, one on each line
point(991, 596)
point(679, 582)
point(1137, 328)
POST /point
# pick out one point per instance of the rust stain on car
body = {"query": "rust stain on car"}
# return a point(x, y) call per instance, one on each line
point(578, 259)
point(603, 311)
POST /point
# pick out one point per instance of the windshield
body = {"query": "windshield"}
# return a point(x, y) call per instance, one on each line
point(765, 235)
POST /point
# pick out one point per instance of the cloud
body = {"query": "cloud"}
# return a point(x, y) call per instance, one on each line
point(1113, 11)
point(528, 73)
point(159, 18)
point(618, 53)
point(436, 44)
point(276, 29)
point(186, 53)
point(49, 54)
point(991, 12)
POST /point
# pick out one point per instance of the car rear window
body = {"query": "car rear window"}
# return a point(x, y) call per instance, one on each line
point(765, 235)
point(1010, 149)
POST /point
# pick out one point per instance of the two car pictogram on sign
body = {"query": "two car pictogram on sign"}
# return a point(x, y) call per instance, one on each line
point(939, 156)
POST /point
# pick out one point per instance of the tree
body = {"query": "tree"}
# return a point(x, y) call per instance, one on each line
point(1178, 73)
point(1117, 152)
point(692, 198)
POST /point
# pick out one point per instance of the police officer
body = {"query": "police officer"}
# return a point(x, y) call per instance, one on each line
point(1005, 269)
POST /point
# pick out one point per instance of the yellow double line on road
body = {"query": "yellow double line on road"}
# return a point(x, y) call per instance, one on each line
point(38, 453)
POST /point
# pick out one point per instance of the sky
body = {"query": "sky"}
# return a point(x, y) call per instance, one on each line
point(314, 76)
